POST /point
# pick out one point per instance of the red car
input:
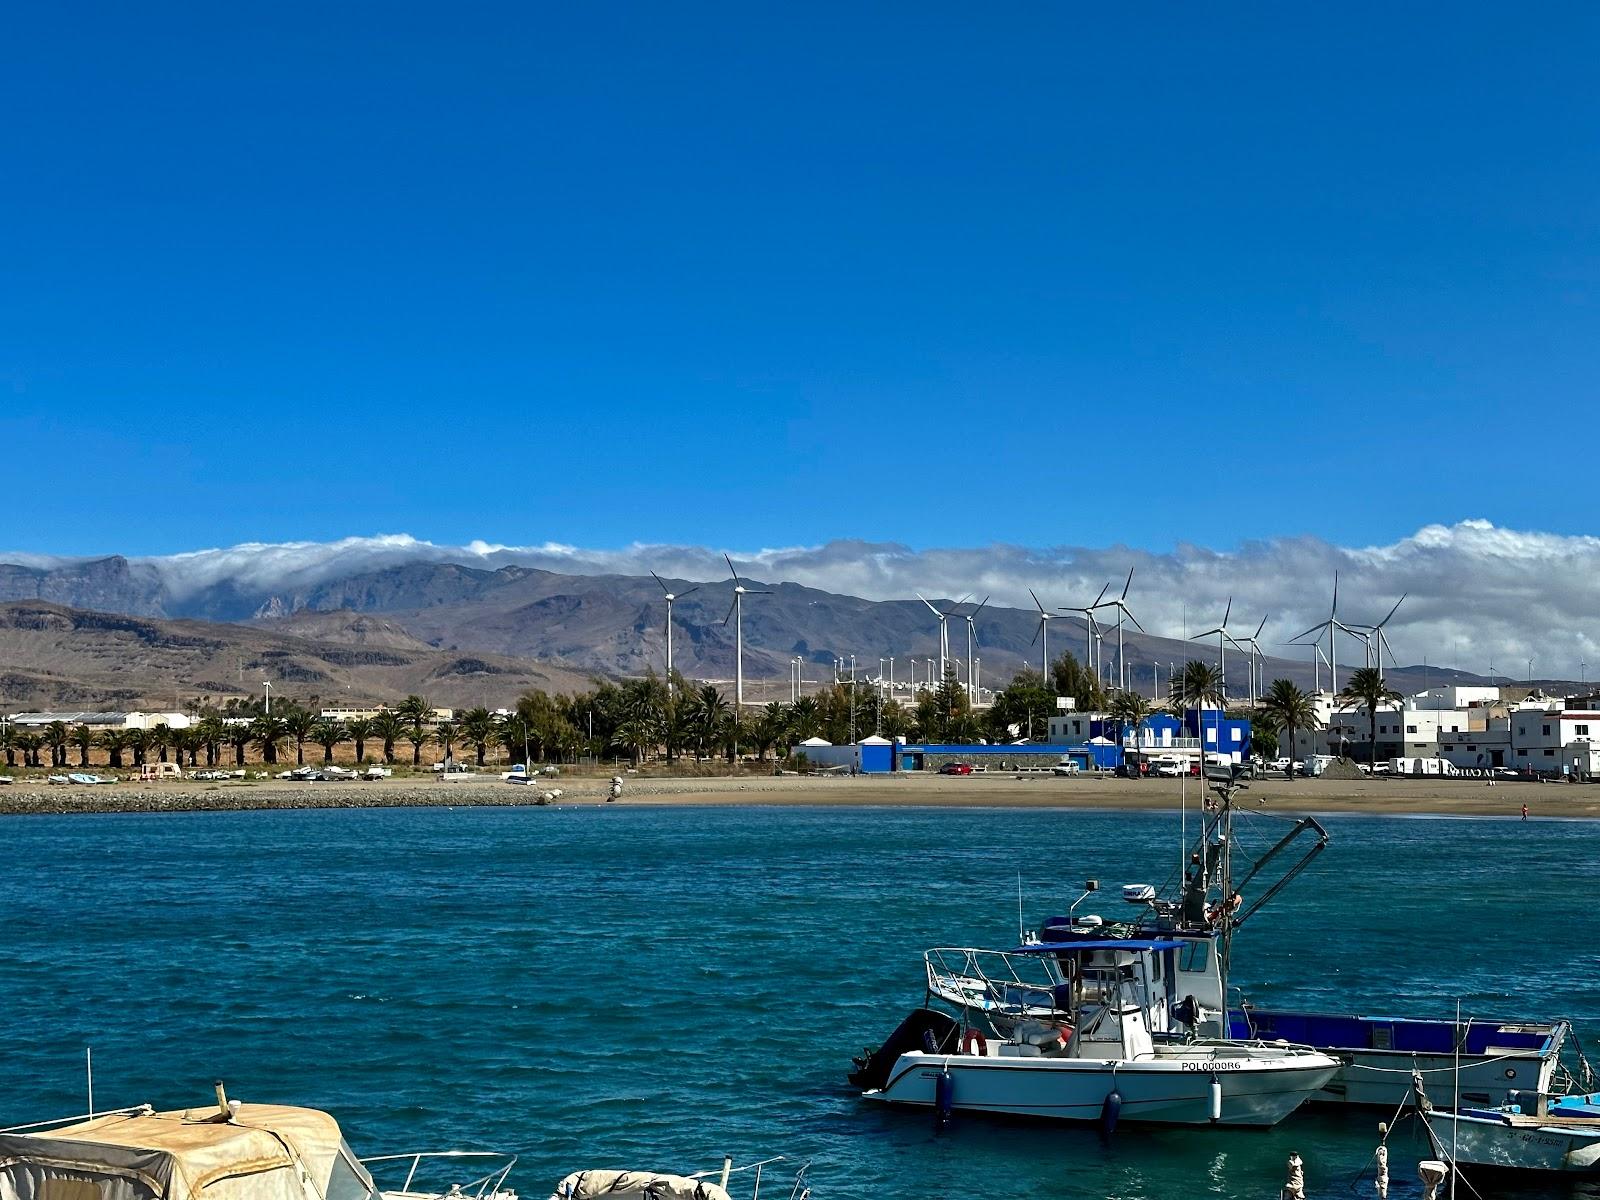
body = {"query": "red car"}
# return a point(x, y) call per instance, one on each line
point(956, 769)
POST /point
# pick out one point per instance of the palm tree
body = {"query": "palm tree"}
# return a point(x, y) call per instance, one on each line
point(160, 739)
point(327, 733)
point(186, 741)
point(212, 733)
point(56, 736)
point(415, 709)
point(1366, 689)
point(112, 742)
point(1198, 685)
point(416, 735)
point(358, 731)
point(1292, 710)
point(8, 742)
point(298, 724)
point(240, 735)
point(30, 744)
point(137, 742)
point(83, 738)
point(477, 727)
point(1128, 710)
point(712, 711)
point(389, 726)
point(267, 731)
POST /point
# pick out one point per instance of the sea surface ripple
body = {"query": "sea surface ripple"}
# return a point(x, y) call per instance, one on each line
point(655, 987)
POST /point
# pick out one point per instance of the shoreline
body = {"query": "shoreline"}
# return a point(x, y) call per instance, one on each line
point(1382, 797)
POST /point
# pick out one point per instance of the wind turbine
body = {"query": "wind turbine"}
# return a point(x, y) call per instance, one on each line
point(670, 598)
point(736, 612)
point(1091, 630)
point(972, 680)
point(1375, 633)
point(944, 630)
point(1256, 653)
point(1044, 628)
point(1332, 625)
point(1120, 603)
point(1223, 638)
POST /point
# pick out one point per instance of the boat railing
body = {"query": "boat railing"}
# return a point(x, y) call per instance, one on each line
point(1003, 978)
point(479, 1188)
point(800, 1190)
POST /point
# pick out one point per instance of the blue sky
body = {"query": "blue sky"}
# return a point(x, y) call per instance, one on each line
point(756, 276)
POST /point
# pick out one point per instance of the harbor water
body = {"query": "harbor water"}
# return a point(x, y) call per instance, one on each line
point(655, 987)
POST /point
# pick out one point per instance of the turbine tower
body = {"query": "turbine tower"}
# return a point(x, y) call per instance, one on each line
point(1044, 628)
point(1091, 630)
point(1331, 625)
point(670, 598)
point(944, 630)
point(972, 642)
point(1120, 603)
point(1377, 640)
point(736, 612)
point(1223, 638)
point(1256, 655)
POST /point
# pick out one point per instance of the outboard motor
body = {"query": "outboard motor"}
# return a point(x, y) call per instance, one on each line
point(873, 1066)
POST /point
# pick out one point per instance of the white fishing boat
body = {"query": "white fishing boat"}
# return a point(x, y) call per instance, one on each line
point(1205, 907)
point(222, 1151)
point(1536, 1134)
point(1085, 1051)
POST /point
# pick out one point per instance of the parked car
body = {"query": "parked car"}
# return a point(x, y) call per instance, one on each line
point(1167, 768)
point(1066, 766)
point(210, 774)
point(956, 768)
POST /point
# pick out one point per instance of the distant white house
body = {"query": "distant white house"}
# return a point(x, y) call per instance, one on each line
point(103, 720)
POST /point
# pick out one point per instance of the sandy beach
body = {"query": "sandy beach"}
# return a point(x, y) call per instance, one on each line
point(1396, 796)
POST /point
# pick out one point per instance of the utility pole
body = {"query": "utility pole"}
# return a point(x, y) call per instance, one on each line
point(267, 683)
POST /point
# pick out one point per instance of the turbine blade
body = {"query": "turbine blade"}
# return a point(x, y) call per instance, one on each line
point(1334, 610)
point(980, 607)
point(657, 578)
point(1320, 625)
point(1127, 585)
point(1133, 618)
point(931, 608)
point(1392, 611)
point(695, 588)
point(731, 607)
point(758, 591)
point(1035, 637)
point(1036, 604)
point(1227, 612)
point(732, 572)
point(1101, 596)
point(1259, 628)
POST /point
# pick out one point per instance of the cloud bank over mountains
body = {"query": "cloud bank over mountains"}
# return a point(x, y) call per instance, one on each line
point(1476, 593)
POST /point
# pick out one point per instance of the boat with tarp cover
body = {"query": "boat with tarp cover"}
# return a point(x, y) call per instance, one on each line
point(229, 1151)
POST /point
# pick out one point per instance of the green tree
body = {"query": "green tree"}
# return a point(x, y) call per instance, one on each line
point(56, 736)
point(328, 733)
point(212, 734)
point(112, 742)
point(83, 738)
point(1129, 710)
point(267, 732)
point(477, 727)
point(1198, 685)
point(240, 735)
point(416, 710)
point(388, 727)
point(298, 723)
point(160, 738)
point(8, 741)
point(445, 734)
point(1069, 677)
point(1292, 710)
point(1366, 689)
point(1025, 705)
point(30, 744)
point(358, 730)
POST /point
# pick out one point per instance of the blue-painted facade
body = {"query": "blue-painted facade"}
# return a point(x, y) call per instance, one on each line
point(877, 760)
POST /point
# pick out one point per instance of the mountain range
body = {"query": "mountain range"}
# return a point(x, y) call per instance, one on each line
point(468, 634)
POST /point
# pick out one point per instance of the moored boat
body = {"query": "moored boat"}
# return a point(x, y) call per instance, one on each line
point(1085, 1051)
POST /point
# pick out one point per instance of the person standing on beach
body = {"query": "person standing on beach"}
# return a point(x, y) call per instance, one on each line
point(1524, 810)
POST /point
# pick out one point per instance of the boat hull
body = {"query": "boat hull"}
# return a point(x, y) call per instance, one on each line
point(1162, 1091)
point(1521, 1146)
point(1379, 1054)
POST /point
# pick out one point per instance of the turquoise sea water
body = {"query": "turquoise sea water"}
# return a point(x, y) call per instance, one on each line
point(655, 987)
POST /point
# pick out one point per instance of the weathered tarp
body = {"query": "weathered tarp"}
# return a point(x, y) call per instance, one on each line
point(635, 1185)
point(265, 1152)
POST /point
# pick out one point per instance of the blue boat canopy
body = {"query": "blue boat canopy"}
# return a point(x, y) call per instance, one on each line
point(1102, 944)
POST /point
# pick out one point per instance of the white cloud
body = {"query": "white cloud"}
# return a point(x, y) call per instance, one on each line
point(1476, 592)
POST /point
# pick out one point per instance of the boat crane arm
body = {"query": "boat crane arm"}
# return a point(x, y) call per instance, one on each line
point(1304, 825)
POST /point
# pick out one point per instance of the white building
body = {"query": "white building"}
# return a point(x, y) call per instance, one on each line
point(1540, 736)
point(103, 720)
point(1489, 746)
